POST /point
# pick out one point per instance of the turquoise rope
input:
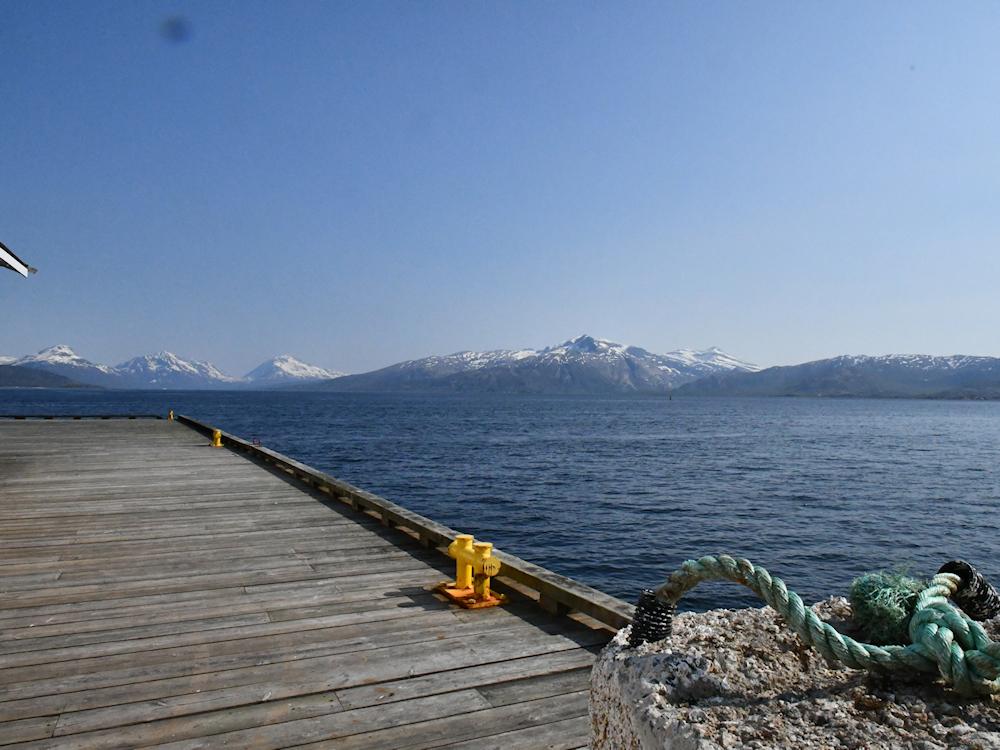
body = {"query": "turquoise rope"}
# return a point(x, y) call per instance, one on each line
point(944, 640)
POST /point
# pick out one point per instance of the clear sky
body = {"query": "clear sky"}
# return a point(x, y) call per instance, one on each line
point(361, 183)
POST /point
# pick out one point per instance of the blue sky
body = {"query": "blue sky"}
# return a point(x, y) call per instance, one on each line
point(360, 183)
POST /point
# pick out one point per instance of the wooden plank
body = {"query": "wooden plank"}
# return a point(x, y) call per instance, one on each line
point(30, 582)
point(190, 541)
point(211, 730)
point(24, 730)
point(536, 686)
point(478, 676)
point(373, 584)
point(66, 594)
point(184, 605)
point(292, 607)
point(568, 734)
point(77, 417)
point(159, 696)
point(54, 648)
point(189, 659)
point(473, 723)
point(351, 627)
point(353, 546)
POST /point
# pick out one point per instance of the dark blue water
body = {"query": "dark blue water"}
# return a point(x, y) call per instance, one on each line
point(618, 492)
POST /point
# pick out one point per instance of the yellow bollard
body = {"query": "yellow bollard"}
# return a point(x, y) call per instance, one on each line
point(474, 566)
point(170, 415)
point(461, 550)
point(488, 566)
point(216, 438)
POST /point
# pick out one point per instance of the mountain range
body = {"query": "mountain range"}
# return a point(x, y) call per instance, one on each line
point(888, 376)
point(584, 365)
point(164, 370)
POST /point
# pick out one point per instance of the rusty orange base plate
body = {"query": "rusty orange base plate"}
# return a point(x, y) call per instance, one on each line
point(467, 597)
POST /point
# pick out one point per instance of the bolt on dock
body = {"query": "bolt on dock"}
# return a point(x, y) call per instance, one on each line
point(158, 591)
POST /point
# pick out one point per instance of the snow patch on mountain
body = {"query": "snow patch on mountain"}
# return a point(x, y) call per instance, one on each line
point(286, 368)
point(708, 360)
point(916, 361)
point(62, 355)
point(444, 364)
point(166, 368)
point(679, 364)
point(712, 357)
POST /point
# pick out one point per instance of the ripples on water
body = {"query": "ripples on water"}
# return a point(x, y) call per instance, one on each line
point(618, 492)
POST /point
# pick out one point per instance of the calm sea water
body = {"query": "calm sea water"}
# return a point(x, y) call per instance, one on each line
point(618, 492)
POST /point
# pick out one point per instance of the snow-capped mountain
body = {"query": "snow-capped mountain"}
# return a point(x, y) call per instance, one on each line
point(581, 365)
point(681, 363)
point(885, 376)
point(710, 360)
point(167, 370)
point(62, 360)
point(7, 360)
point(287, 369)
point(447, 364)
point(61, 355)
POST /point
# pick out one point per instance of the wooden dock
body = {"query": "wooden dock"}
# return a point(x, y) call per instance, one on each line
point(156, 591)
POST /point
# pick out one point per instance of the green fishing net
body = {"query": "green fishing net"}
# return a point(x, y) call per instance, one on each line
point(882, 603)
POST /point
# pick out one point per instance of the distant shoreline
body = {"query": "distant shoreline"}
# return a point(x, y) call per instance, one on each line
point(502, 395)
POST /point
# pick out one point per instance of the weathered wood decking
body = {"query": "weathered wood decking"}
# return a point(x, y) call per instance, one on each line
point(157, 591)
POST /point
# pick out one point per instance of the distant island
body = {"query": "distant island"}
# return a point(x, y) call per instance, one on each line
point(584, 365)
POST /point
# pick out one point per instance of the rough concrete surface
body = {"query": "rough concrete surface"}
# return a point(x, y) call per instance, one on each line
point(741, 678)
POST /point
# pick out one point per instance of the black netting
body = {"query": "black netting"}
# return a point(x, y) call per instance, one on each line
point(653, 620)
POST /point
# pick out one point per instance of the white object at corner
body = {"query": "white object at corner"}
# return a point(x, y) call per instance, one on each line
point(11, 261)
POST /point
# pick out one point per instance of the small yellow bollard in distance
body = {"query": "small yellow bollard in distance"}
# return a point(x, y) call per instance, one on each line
point(216, 438)
point(474, 566)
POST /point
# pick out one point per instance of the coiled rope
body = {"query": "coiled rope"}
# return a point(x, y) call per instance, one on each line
point(944, 640)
